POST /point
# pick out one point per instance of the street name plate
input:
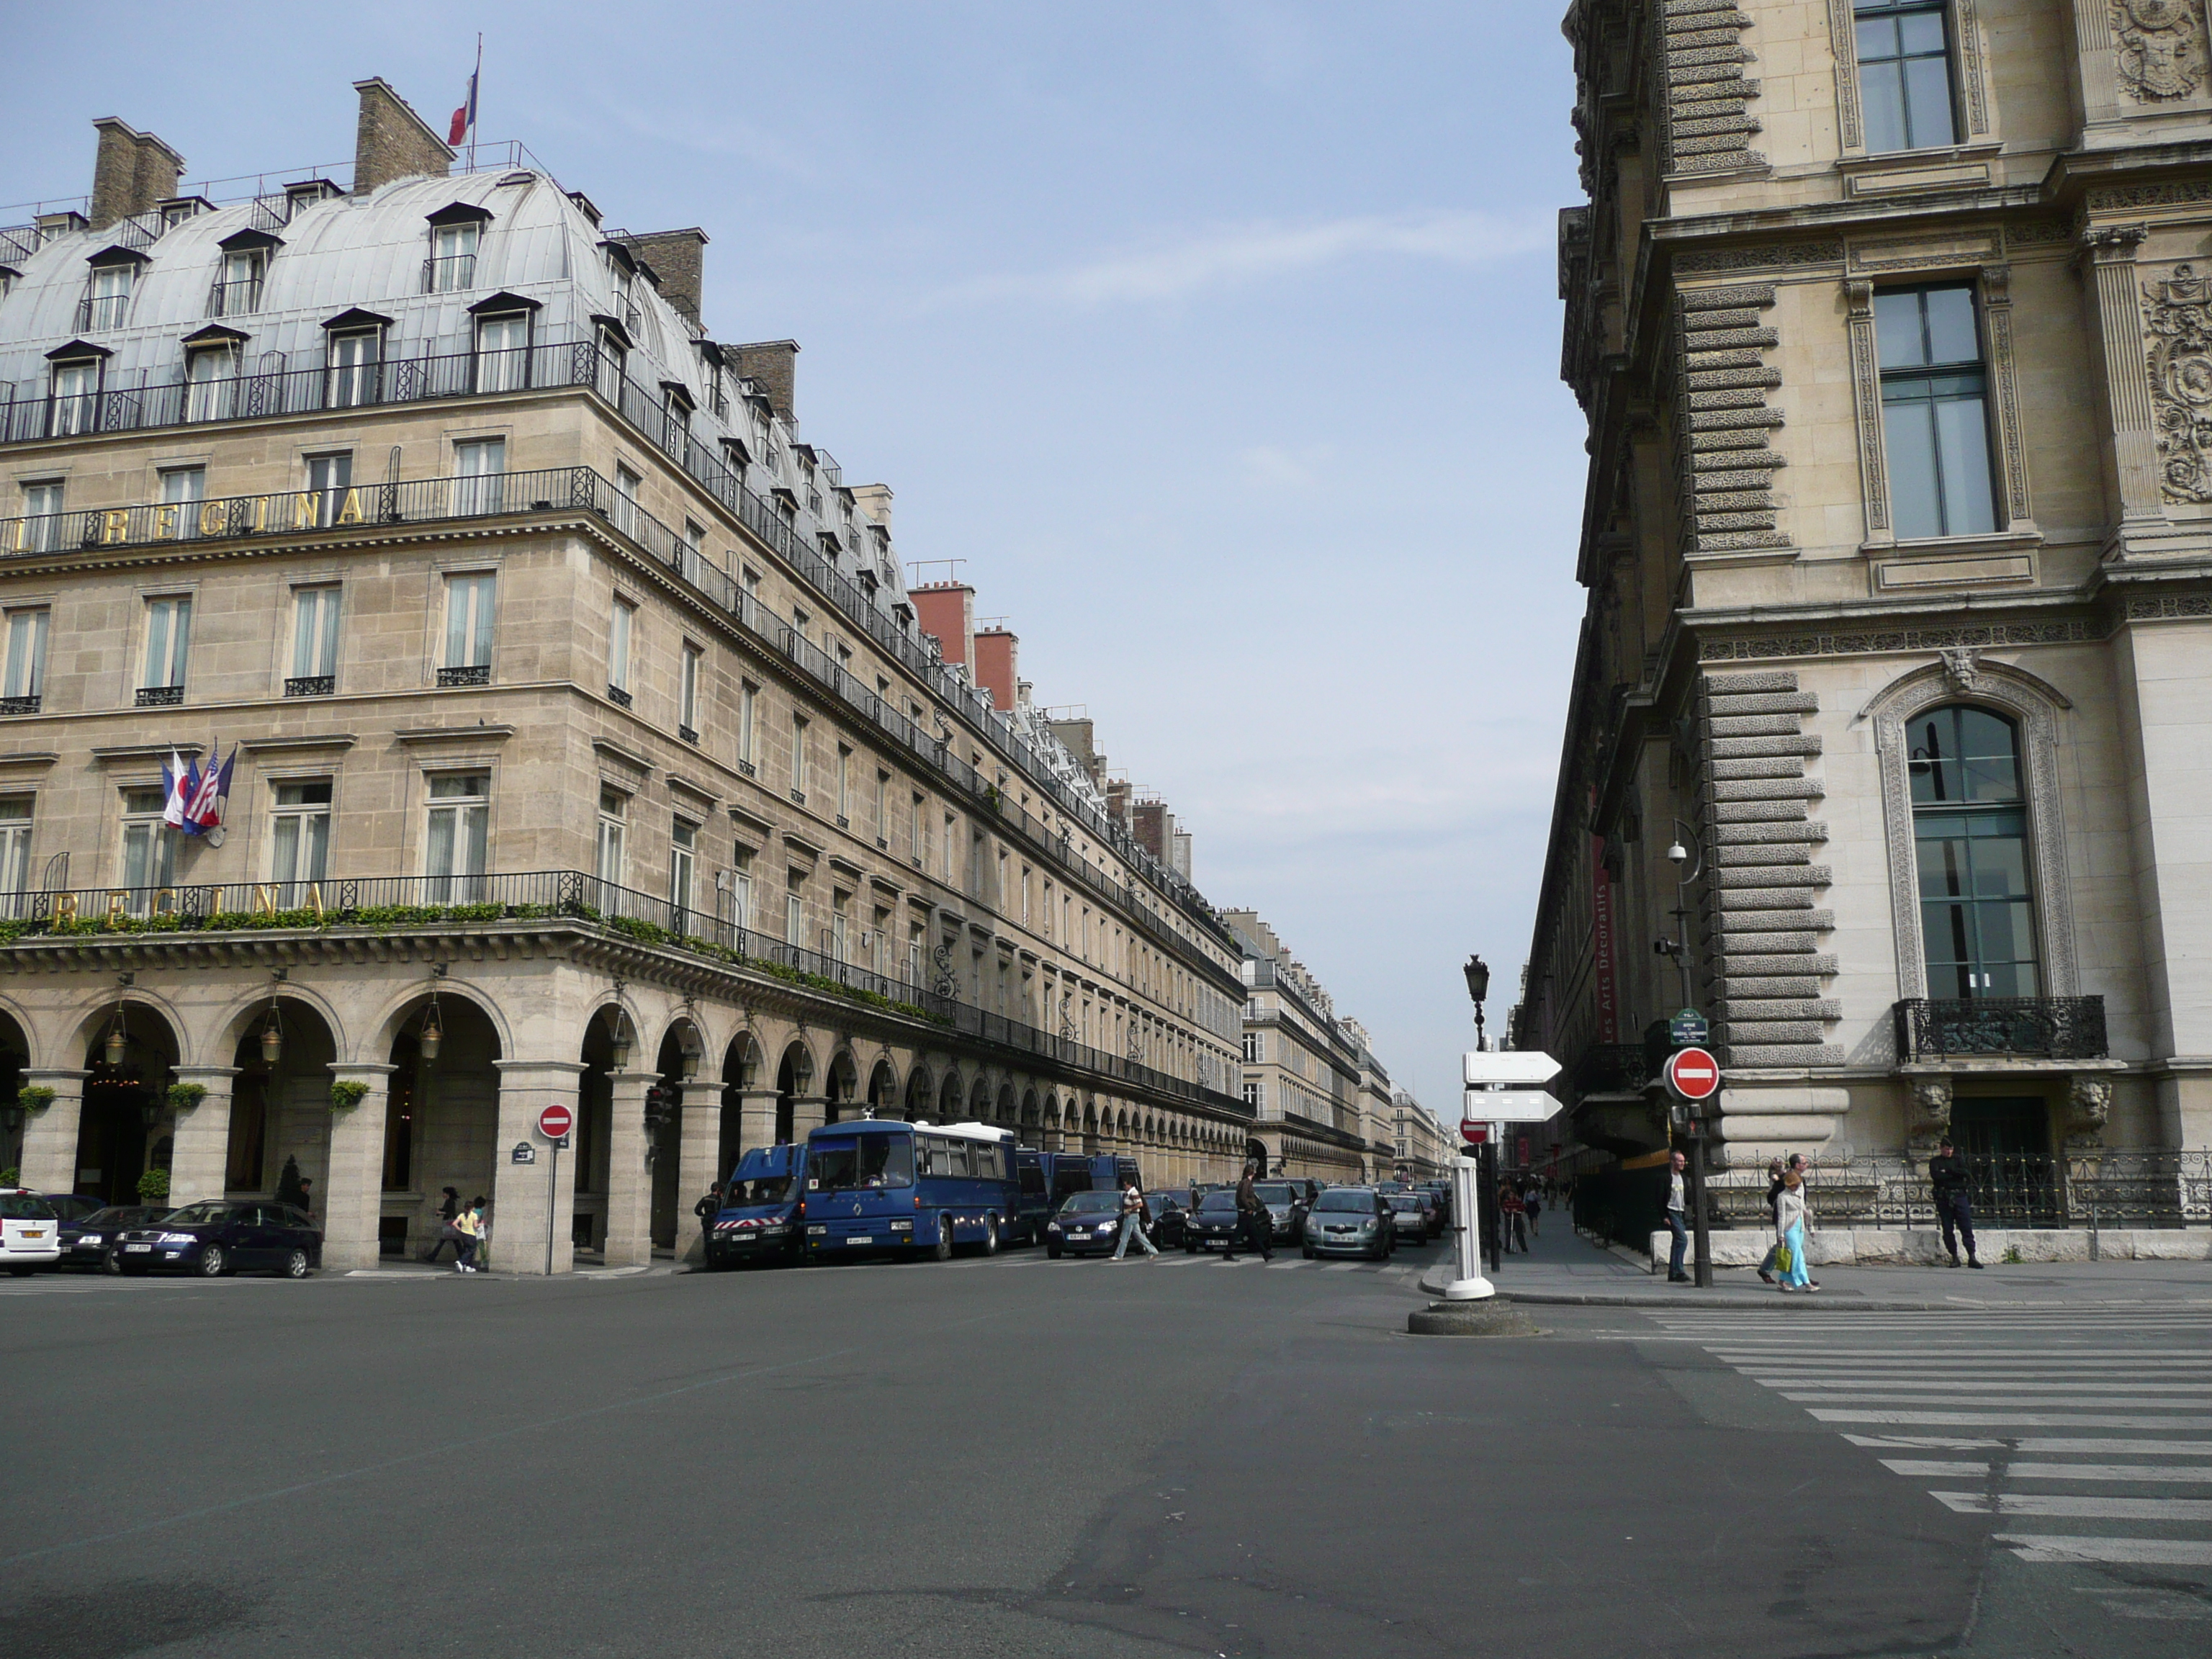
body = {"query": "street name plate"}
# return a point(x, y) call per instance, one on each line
point(524, 1152)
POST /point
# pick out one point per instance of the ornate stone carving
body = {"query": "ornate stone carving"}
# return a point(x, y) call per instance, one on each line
point(1962, 667)
point(2177, 317)
point(1866, 398)
point(2089, 1102)
point(1881, 642)
point(1931, 1108)
point(2161, 48)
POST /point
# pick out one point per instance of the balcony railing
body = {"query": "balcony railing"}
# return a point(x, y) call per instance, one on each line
point(20, 705)
point(2038, 1028)
point(160, 696)
point(1612, 1069)
point(311, 685)
point(234, 298)
point(382, 904)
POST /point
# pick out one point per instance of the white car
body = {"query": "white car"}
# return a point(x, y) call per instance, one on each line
point(30, 1232)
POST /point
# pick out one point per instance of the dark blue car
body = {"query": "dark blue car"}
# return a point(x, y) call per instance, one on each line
point(90, 1241)
point(758, 1220)
point(222, 1236)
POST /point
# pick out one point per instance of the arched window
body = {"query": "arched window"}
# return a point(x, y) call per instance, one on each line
point(1970, 841)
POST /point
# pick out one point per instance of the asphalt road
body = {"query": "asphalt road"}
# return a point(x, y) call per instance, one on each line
point(1014, 1456)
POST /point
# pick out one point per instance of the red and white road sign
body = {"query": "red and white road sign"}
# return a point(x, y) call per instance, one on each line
point(1694, 1073)
point(554, 1121)
point(1472, 1132)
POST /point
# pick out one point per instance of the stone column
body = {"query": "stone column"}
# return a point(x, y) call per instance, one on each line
point(699, 1147)
point(50, 1137)
point(353, 1196)
point(532, 1203)
point(2097, 66)
point(200, 1157)
point(808, 1112)
point(2116, 307)
point(755, 1118)
point(629, 1183)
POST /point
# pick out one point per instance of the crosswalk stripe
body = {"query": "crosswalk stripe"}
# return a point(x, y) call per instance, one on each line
point(1999, 1419)
point(2073, 1508)
point(2120, 1472)
point(2122, 1552)
point(1982, 1398)
point(2038, 1445)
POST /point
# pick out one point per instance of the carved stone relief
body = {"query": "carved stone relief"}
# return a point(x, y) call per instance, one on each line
point(2089, 1102)
point(1931, 1108)
point(2161, 48)
point(1962, 668)
point(2177, 317)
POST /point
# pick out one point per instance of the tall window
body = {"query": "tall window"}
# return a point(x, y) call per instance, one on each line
point(1970, 833)
point(184, 487)
point(24, 684)
point(741, 891)
point(453, 257)
point(682, 871)
point(300, 837)
point(687, 700)
point(748, 712)
point(1934, 412)
point(108, 300)
point(149, 851)
point(238, 286)
point(921, 849)
point(355, 362)
point(844, 787)
point(794, 913)
point(883, 809)
point(626, 484)
point(76, 397)
point(458, 833)
point(168, 648)
point(841, 937)
point(14, 846)
point(480, 465)
point(503, 352)
point(315, 642)
point(468, 631)
point(329, 478)
point(212, 377)
point(799, 768)
point(614, 836)
point(1905, 74)
point(40, 529)
point(622, 629)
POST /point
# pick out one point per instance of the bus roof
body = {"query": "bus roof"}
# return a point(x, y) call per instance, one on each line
point(959, 1131)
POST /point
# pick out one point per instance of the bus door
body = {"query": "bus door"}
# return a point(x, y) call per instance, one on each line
point(1033, 1197)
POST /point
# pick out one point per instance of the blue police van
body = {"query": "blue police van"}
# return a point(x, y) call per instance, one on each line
point(759, 1218)
point(1046, 1178)
point(872, 1185)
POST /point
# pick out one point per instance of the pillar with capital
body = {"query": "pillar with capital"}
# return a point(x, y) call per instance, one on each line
point(199, 1160)
point(353, 1195)
point(755, 1118)
point(49, 1133)
point(699, 1147)
point(630, 1181)
point(532, 1203)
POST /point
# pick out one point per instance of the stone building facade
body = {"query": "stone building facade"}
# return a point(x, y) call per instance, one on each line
point(584, 747)
point(1302, 1067)
point(1891, 327)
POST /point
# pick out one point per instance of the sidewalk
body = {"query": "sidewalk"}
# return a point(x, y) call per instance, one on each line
point(1562, 1267)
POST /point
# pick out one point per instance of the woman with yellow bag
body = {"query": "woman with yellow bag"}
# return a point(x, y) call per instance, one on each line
point(1790, 1232)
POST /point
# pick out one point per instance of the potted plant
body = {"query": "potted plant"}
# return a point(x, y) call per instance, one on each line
point(348, 1093)
point(36, 1098)
point(154, 1187)
point(183, 1096)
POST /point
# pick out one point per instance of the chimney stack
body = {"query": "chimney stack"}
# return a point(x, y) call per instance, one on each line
point(678, 259)
point(875, 500)
point(133, 172)
point(946, 612)
point(773, 365)
point(391, 141)
point(995, 650)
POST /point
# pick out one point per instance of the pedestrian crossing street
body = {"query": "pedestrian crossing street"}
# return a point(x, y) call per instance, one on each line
point(2085, 1436)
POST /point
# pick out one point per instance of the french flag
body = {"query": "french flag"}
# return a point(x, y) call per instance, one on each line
point(464, 118)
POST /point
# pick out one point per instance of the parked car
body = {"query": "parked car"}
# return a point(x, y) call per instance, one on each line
point(89, 1241)
point(30, 1232)
point(217, 1236)
point(1408, 1217)
point(1431, 1211)
point(1085, 1224)
point(1286, 1207)
point(1214, 1223)
point(1351, 1221)
point(759, 1219)
point(1165, 1220)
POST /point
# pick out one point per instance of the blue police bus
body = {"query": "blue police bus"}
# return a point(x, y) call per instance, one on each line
point(759, 1218)
point(913, 1188)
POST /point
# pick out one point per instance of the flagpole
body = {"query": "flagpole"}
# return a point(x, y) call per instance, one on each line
point(475, 101)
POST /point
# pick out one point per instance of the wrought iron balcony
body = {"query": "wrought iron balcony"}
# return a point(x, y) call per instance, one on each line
point(161, 696)
point(20, 705)
point(618, 697)
point(1612, 1069)
point(311, 685)
point(2029, 1028)
point(688, 733)
point(473, 674)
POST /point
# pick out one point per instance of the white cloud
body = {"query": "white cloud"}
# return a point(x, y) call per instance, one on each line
point(1238, 255)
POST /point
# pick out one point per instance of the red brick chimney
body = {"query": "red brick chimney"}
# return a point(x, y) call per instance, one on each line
point(946, 612)
point(994, 666)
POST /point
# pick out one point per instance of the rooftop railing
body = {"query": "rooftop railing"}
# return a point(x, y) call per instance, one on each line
point(385, 905)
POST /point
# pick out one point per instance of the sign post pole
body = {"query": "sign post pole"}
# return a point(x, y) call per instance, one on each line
point(554, 1123)
point(1694, 1076)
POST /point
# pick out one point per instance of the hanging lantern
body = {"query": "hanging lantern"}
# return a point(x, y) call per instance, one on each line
point(621, 1045)
point(115, 1042)
point(272, 1038)
point(433, 1035)
point(691, 1064)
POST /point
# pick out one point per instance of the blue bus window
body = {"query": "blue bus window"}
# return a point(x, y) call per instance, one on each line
point(876, 1160)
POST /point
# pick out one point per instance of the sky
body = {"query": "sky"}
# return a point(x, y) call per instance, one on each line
point(1219, 338)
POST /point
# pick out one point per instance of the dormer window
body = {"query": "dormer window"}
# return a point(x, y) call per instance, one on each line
point(355, 359)
point(502, 342)
point(108, 294)
point(238, 283)
point(211, 374)
point(453, 258)
point(73, 407)
point(176, 212)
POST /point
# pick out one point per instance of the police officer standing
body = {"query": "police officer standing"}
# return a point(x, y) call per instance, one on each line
point(1946, 1180)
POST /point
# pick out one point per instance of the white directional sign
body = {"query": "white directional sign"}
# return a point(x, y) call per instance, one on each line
point(1508, 1105)
point(1509, 1067)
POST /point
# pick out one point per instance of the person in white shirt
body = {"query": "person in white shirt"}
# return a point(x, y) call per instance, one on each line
point(1133, 1222)
point(1677, 1203)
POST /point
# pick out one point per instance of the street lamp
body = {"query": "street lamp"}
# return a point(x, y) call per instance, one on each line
point(1485, 1155)
point(1478, 991)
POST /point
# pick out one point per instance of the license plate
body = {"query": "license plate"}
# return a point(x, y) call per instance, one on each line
point(135, 1249)
point(859, 1240)
point(33, 1232)
point(745, 1238)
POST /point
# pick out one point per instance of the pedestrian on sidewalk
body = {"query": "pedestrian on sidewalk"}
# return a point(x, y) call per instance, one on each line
point(706, 1209)
point(1133, 1222)
point(1677, 1202)
point(1533, 1202)
point(1773, 1193)
point(1954, 1205)
point(1253, 1221)
point(1789, 1214)
point(449, 1207)
point(469, 1223)
point(291, 1187)
point(1516, 1230)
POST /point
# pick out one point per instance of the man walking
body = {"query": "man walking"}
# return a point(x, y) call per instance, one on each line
point(1252, 1220)
point(1133, 1222)
point(1947, 1179)
point(1677, 1202)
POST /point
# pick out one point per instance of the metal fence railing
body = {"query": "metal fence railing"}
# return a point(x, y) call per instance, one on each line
point(2053, 1028)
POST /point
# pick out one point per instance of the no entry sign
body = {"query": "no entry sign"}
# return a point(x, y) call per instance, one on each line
point(1472, 1132)
point(555, 1122)
point(1694, 1073)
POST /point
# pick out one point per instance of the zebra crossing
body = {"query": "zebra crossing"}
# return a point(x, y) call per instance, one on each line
point(2085, 1436)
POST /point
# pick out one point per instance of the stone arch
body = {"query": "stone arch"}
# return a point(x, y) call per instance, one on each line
point(794, 1080)
point(248, 1014)
point(979, 1101)
point(123, 1124)
point(374, 1035)
point(884, 1087)
point(919, 1092)
point(949, 1099)
point(283, 1107)
point(2034, 707)
point(1009, 1112)
point(440, 1109)
point(16, 1056)
point(842, 1086)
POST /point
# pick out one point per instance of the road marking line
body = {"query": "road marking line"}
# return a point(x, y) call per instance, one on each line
point(1975, 1397)
point(2118, 1473)
point(2126, 1552)
point(2041, 1444)
point(2090, 1509)
point(1997, 1420)
point(1965, 1389)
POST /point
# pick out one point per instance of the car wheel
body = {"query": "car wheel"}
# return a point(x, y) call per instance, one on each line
point(990, 1234)
point(214, 1264)
point(1309, 1252)
point(19, 1272)
point(108, 1263)
point(295, 1264)
point(1190, 1247)
point(944, 1251)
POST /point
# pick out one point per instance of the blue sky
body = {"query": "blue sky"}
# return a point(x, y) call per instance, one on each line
point(1220, 340)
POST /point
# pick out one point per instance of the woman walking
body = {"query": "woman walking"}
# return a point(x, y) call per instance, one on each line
point(1790, 1234)
point(470, 1223)
point(1773, 1194)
